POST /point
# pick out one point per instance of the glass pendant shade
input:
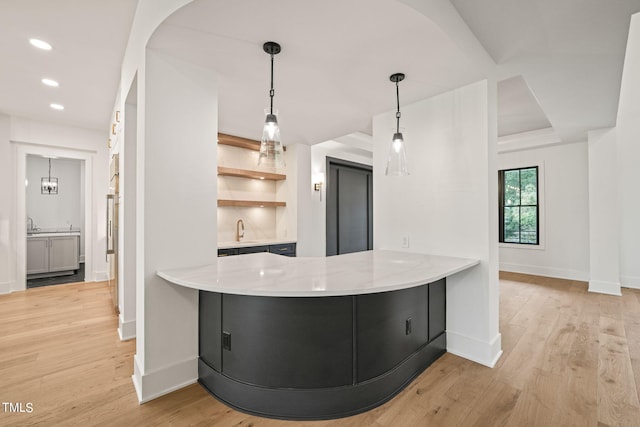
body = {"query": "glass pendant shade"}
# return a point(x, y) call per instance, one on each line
point(397, 160)
point(271, 150)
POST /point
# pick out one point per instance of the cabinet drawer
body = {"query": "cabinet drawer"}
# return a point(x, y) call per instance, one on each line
point(227, 252)
point(288, 249)
point(253, 249)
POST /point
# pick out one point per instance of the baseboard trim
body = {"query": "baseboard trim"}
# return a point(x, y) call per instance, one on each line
point(484, 353)
point(602, 287)
point(6, 287)
point(101, 276)
point(632, 282)
point(559, 273)
point(152, 385)
point(126, 330)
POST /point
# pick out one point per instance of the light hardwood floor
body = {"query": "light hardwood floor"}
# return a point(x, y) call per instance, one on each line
point(570, 359)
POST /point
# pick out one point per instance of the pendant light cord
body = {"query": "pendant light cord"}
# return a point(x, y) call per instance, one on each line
point(49, 170)
point(398, 111)
point(271, 92)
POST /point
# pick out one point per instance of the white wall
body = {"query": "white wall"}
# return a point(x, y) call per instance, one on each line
point(57, 211)
point(603, 213)
point(7, 208)
point(628, 154)
point(294, 221)
point(447, 205)
point(564, 213)
point(20, 137)
point(317, 231)
point(176, 194)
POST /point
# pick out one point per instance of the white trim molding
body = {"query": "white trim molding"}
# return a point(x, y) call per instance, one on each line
point(528, 140)
point(154, 384)
point(632, 282)
point(126, 329)
point(484, 353)
point(602, 287)
point(6, 287)
point(559, 273)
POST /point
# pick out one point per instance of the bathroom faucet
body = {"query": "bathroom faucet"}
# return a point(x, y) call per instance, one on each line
point(29, 223)
point(239, 224)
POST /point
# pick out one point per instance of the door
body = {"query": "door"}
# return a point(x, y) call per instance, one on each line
point(349, 207)
point(37, 255)
point(64, 253)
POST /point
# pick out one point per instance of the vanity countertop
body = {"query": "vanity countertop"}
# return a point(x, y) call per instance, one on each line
point(53, 232)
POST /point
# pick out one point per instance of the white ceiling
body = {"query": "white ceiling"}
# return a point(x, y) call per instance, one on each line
point(569, 52)
point(518, 109)
point(88, 37)
point(333, 72)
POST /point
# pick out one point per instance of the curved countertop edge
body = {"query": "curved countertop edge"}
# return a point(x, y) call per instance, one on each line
point(303, 279)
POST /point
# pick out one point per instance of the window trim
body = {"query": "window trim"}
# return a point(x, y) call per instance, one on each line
point(541, 206)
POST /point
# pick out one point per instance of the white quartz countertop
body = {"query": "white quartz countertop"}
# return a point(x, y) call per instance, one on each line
point(265, 274)
point(249, 243)
point(53, 233)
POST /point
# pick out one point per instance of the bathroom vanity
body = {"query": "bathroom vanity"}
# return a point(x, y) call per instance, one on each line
point(318, 338)
point(52, 253)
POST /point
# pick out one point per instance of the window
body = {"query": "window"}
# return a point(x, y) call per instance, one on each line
point(519, 210)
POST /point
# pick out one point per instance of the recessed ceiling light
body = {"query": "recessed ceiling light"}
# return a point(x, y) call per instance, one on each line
point(40, 44)
point(57, 106)
point(50, 82)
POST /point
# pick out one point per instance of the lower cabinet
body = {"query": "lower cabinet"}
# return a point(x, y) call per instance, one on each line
point(286, 249)
point(52, 254)
point(318, 357)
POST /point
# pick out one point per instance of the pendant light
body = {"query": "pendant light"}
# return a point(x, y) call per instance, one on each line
point(271, 151)
point(397, 161)
point(49, 185)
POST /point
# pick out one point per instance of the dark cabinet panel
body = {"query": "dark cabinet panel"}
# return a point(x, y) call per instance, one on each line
point(287, 249)
point(390, 327)
point(288, 342)
point(227, 252)
point(253, 249)
point(437, 308)
point(210, 328)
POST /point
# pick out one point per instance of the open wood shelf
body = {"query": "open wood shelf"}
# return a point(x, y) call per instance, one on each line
point(244, 173)
point(250, 203)
point(237, 141)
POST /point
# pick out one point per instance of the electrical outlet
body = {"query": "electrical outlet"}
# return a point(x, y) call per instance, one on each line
point(405, 241)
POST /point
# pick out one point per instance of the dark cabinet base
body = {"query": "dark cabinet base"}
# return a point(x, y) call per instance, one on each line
point(322, 403)
point(318, 357)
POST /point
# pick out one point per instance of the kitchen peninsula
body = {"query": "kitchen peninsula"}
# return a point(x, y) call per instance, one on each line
point(317, 338)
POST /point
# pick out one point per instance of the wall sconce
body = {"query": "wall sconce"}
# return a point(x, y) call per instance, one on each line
point(318, 181)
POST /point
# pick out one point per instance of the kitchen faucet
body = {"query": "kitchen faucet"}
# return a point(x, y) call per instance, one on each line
point(239, 224)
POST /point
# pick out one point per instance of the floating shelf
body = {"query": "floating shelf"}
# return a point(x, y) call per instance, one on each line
point(250, 203)
point(237, 141)
point(244, 173)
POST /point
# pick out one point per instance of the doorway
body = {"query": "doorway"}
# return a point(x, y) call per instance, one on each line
point(349, 207)
point(54, 193)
